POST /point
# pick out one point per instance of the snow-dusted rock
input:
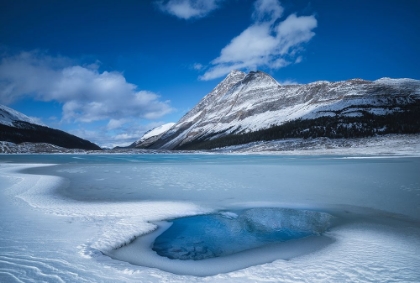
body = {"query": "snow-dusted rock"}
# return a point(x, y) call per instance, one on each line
point(244, 103)
point(9, 116)
point(151, 136)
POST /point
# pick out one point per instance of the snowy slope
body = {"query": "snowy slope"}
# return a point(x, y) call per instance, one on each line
point(156, 131)
point(152, 135)
point(245, 103)
point(8, 116)
point(17, 128)
point(198, 113)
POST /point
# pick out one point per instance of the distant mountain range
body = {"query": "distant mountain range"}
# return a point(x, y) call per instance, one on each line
point(18, 128)
point(252, 107)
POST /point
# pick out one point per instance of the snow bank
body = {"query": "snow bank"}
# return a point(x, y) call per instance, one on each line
point(48, 236)
point(123, 221)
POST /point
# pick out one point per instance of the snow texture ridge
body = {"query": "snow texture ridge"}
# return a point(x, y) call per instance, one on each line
point(51, 231)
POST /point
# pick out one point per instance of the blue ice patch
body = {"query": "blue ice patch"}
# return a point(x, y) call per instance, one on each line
point(216, 235)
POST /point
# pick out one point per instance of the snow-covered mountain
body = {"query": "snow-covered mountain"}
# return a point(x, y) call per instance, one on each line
point(18, 128)
point(151, 136)
point(8, 116)
point(245, 103)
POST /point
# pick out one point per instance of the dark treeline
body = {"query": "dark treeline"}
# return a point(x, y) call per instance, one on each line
point(407, 121)
point(26, 132)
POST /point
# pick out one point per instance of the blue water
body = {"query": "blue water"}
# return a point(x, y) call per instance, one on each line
point(215, 235)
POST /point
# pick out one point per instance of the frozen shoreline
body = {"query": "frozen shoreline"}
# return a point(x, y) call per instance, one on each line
point(39, 192)
point(387, 145)
point(85, 229)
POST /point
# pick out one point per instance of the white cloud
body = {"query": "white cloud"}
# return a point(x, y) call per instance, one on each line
point(268, 42)
point(288, 82)
point(102, 106)
point(188, 9)
point(252, 46)
point(267, 11)
point(115, 124)
point(127, 133)
point(197, 66)
point(86, 94)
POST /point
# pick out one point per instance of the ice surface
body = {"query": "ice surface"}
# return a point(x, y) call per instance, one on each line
point(140, 253)
point(223, 242)
point(58, 222)
point(214, 235)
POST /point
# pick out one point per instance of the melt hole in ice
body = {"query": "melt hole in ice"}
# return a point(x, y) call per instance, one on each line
point(217, 243)
point(216, 235)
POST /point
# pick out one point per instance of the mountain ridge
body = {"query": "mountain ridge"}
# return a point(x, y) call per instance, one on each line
point(18, 128)
point(9, 115)
point(151, 136)
point(245, 103)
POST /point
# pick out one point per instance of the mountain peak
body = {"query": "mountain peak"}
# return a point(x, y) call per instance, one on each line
point(231, 79)
point(235, 73)
point(259, 77)
point(245, 103)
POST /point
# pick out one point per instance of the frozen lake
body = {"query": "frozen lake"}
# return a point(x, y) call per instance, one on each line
point(66, 218)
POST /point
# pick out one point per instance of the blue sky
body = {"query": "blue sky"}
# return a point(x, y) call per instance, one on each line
point(110, 70)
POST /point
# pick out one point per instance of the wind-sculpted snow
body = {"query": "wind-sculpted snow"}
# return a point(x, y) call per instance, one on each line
point(37, 192)
point(60, 222)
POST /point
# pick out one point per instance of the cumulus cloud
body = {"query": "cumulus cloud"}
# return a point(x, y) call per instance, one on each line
point(267, 10)
point(268, 42)
point(115, 123)
point(124, 135)
point(86, 94)
point(188, 9)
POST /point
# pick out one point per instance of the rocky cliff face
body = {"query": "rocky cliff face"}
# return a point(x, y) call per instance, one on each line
point(190, 126)
point(244, 103)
